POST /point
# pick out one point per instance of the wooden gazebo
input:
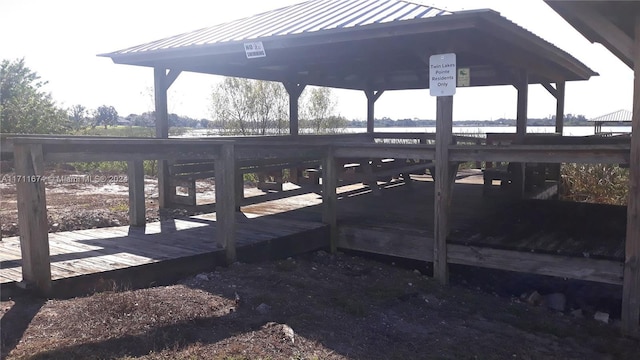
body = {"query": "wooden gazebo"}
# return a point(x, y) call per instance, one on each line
point(377, 46)
point(616, 25)
point(373, 46)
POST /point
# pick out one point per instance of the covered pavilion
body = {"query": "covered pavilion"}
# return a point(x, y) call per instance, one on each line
point(368, 45)
point(383, 45)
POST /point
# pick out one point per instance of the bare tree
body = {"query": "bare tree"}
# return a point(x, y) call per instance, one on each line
point(249, 107)
point(319, 111)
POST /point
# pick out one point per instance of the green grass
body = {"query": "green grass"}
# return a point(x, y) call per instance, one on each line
point(127, 131)
point(114, 167)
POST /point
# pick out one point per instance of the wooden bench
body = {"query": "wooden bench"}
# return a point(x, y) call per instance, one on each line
point(185, 173)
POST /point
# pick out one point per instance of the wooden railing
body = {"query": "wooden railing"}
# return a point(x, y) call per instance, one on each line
point(32, 152)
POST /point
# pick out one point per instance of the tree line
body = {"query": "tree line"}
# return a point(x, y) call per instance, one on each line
point(239, 107)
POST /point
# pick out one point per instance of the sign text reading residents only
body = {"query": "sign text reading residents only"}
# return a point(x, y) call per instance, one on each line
point(442, 75)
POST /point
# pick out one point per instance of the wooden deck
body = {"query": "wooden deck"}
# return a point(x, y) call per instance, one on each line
point(487, 230)
point(565, 239)
point(160, 252)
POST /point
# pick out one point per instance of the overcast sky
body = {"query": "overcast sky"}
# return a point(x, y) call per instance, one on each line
point(60, 39)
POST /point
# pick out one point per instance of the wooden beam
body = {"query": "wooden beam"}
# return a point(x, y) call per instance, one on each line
point(550, 89)
point(32, 217)
point(560, 91)
point(583, 154)
point(372, 97)
point(135, 174)
point(330, 198)
point(295, 90)
point(631, 285)
point(418, 245)
point(171, 77)
point(444, 138)
point(610, 35)
point(225, 181)
point(605, 271)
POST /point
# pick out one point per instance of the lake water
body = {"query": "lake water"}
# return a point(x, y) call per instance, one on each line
point(568, 130)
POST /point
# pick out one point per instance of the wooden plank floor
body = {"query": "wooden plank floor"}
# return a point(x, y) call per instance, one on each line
point(400, 212)
point(84, 252)
point(493, 221)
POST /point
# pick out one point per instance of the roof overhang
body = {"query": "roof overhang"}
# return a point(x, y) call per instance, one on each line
point(608, 22)
point(389, 56)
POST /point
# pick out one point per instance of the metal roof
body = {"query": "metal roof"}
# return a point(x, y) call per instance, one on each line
point(306, 17)
point(587, 16)
point(616, 116)
point(361, 44)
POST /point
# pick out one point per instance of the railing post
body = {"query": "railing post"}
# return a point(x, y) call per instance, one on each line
point(330, 197)
point(631, 283)
point(225, 182)
point(443, 187)
point(135, 175)
point(32, 217)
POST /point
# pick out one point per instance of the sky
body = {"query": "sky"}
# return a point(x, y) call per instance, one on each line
point(60, 40)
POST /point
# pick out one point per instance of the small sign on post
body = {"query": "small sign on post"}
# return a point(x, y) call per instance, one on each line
point(464, 77)
point(254, 50)
point(442, 74)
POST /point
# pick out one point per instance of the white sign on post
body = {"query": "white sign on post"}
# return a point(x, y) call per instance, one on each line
point(254, 50)
point(442, 75)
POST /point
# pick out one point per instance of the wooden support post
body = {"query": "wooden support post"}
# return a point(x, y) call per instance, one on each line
point(135, 174)
point(162, 132)
point(225, 181)
point(372, 97)
point(523, 96)
point(295, 90)
point(32, 217)
point(518, 169)
point(239, 188)
point(330, 197)
point(444, 138)
point(560, 90)
point(631, 281)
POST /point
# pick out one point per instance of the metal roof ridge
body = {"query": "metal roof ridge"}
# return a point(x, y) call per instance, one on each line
point(219, 34)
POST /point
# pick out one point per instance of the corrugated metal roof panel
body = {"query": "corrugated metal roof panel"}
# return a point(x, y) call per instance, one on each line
point(616, 116)
point(306, 17)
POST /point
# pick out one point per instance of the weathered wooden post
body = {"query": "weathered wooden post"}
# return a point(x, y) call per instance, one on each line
point(135, 175)
point(443, 187)
point(32, 217)
point(295, 90)
point(518, 169)
point(560, 91)
point(330, 197)
point(226, 200)
point(442, 83)
point(161, 83)
point(631, 282)
point(372, 97)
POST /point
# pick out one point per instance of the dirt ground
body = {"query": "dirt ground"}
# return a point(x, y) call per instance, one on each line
point(80, 201)
point(315, 306)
